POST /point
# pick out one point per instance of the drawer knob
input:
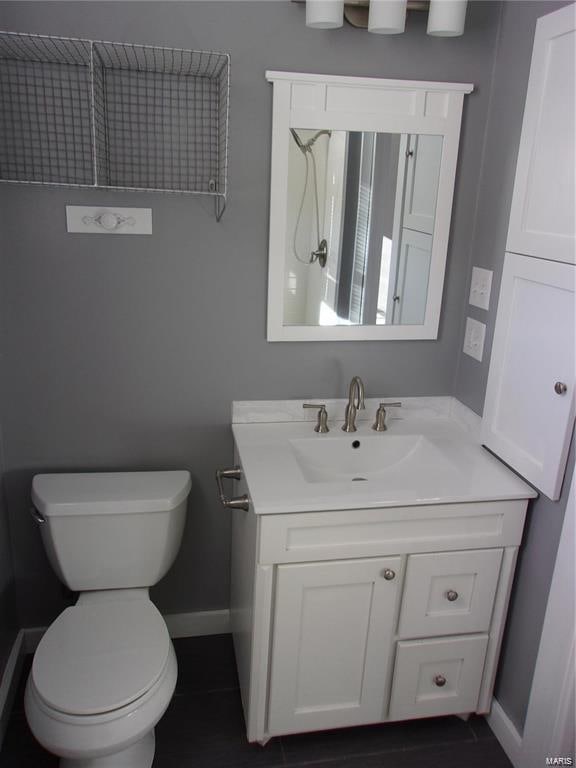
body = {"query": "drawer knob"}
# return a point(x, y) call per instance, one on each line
point(440, 681)
point(451, 595)
point(389, 574)
point(560, 388)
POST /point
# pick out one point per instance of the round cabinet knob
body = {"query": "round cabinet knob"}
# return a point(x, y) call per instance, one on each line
point(439, 680)
point(560, 388)
point(451, 595)
point(388, 574)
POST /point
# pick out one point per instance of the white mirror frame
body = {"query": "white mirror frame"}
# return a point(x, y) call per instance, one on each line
point(360, 104)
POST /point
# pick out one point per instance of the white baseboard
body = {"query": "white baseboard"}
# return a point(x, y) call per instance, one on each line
point(193, 624)
point(506, 733)
point(198, 623)
point(9, 682)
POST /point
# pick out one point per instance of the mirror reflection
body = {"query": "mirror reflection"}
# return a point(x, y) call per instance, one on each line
point(360, 223)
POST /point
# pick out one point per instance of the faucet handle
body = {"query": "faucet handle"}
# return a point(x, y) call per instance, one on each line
point(380, 423)
point(322, 422)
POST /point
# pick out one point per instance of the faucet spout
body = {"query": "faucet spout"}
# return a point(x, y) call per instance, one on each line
point(355, 403)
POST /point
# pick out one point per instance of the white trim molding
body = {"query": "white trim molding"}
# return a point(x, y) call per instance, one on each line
point(506, 733)
point(191, 624)
point(549, 726)
point(198, 623)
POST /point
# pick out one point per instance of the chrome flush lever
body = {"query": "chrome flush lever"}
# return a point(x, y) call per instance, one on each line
point(38, 516)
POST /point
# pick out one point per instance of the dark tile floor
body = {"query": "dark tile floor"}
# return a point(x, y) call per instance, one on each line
point(204, 728)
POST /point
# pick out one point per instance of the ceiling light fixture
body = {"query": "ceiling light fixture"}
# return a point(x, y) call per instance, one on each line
point(324, 14)
point(387, 17)
point(446, 18)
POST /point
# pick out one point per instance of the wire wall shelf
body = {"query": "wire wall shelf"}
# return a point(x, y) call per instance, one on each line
point(113, 116)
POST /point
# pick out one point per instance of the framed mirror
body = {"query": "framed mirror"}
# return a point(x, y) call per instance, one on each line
point(361, 192)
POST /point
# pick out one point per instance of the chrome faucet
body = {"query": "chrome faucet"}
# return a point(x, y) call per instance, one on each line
point(355, 402)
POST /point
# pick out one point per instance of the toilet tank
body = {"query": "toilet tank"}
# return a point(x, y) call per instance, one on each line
point(113, 530)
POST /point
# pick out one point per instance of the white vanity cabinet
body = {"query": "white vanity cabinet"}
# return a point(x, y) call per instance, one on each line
point(359, 616)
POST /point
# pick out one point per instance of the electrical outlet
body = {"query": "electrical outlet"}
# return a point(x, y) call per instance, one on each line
point(480, 287)
point(474, 338)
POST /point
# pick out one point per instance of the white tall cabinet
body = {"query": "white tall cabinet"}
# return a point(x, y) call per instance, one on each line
point(530, 404)
point(543, 206)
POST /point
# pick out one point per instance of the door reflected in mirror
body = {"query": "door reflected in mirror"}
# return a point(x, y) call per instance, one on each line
point(360, 224)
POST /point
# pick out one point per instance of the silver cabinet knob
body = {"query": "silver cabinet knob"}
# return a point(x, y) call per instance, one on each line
point(389, 574)
point(439, 680)
point(560, 388)
point(451, 595)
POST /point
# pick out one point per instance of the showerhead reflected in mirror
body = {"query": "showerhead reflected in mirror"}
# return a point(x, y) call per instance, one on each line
point(360, 225)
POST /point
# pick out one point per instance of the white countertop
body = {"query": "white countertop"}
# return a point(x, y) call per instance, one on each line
point(453, 467)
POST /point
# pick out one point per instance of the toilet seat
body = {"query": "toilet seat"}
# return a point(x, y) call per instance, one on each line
point(100, 737)
point(101, 657)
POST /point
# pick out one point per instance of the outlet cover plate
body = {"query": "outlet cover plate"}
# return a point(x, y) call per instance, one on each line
point(474, 338)
point(480, 287)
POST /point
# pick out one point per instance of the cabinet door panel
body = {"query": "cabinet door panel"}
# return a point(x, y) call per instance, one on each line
point(332, 644)
point(437, 677)
point(449, 592)
point(542, 214)
point(526, 421)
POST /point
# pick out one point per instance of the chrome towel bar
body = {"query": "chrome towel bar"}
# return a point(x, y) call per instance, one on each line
point(236, 502)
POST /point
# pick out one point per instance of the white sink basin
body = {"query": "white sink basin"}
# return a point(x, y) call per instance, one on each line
point(351, 458)
point(419, 460)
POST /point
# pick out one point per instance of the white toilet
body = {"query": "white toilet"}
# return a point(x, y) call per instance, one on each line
point(105, 670)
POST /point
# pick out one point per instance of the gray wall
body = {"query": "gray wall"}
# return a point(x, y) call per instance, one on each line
point(126, 352)
point(544, 522)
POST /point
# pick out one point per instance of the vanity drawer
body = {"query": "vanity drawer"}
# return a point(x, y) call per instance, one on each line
point(448, 593)
point(437, 677)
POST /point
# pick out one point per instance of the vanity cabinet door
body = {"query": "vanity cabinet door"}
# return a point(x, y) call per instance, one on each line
point(332, 643)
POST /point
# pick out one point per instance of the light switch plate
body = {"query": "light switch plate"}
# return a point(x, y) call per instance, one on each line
point(108, 220)
point(474, 338)
point(480, 287)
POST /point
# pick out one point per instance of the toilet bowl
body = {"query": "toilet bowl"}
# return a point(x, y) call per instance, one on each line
point(102, 677)
point(105, 670)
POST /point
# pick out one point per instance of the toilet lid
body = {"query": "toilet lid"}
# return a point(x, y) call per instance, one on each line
point(98, 657)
